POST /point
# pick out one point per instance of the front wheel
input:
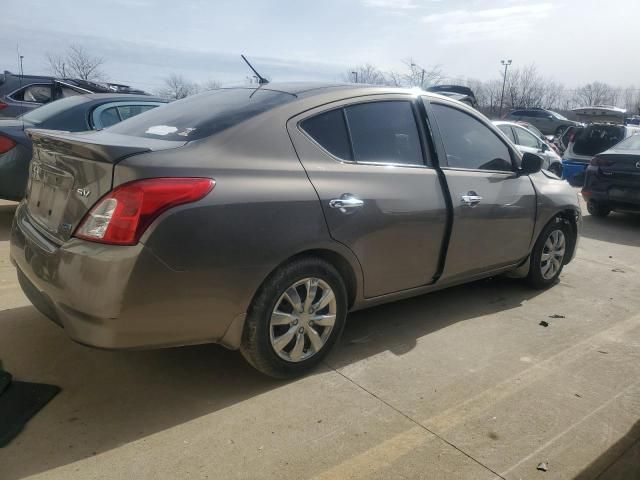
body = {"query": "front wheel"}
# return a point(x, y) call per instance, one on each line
point(548, 254)
point(296, 317)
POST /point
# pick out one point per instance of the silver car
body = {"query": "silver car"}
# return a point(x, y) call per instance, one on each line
point(258, 218)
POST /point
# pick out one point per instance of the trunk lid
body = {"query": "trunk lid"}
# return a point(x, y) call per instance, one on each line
point(69, 172)
point(620, 165)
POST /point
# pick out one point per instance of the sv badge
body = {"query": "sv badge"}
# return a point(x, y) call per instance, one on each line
point(83, 192)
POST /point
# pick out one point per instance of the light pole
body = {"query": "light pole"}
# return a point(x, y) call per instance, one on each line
point(21, 71)
point(506, 64)
point(421, 76)
point(355, 74)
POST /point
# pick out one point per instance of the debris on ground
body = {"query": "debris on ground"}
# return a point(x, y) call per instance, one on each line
point(544, 324)
point(617, 270)
point(603, 352)
point(578, 395)
point(543, 467)
point(555, 315)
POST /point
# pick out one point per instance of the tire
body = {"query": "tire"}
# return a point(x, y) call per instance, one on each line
point(598, 209)
point(265, 346)
point(556, 169)
point(546, 250)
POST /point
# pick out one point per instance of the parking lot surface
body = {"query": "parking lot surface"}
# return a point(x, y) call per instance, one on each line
point(463, 383)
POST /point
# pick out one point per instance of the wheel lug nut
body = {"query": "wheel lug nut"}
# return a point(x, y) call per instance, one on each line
point(301, 330)
point(295, 322)
point(311, 323)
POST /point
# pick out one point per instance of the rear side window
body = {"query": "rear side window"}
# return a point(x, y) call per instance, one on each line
point(330, 131)
point(596, 139)
point(34, 94)
point(384, 132)
point(202, 115)
point(469, 143)
point(128, 111)
point(506, 129)
point(109, 117)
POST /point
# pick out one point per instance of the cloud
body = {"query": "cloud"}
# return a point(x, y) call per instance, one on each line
point(462, 25)
point(391, 4)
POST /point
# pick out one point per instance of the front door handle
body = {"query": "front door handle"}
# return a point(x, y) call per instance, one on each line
point(471, 199)
point(346, 202)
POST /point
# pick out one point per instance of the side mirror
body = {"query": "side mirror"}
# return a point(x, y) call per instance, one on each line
point(544, 147)
point(531, 163)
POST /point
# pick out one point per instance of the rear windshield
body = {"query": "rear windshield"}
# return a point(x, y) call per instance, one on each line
point(202, 115)
point(596, 139)
point(45, 112)
point(631, 143)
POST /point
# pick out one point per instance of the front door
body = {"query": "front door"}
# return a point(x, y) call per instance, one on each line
point(493, 208)
point(379, 195)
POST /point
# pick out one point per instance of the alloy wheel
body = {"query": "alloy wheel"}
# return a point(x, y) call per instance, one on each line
point(302, 319)
point(552, 254)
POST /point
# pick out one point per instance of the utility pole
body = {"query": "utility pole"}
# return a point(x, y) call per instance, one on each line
point(355, 74)
point(21, 71)
point(506, 64)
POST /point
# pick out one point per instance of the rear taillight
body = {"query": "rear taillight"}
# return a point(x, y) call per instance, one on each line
point(601, 162)
point(3, 105)
point(6, 144)
point(122, 216)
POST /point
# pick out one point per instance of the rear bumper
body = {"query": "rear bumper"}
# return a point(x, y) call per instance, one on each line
point(112, 297)
point(610, 191)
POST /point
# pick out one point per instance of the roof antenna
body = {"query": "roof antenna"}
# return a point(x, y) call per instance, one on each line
point(261, 79)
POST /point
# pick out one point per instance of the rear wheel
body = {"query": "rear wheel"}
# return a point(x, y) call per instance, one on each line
point(598, 209)
point(297, 316)
point(548, 255)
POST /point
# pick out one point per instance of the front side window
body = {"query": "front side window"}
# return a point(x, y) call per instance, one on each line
point(384, 132)
point(526, 139)
point(469, 143)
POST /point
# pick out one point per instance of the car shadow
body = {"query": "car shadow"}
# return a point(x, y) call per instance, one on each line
point(620, 228)
point(6, 217)
point(112, 398)
point(619, 461)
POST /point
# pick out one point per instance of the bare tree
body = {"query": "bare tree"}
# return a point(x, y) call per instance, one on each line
point(177, 87)
point(596, 93)
point(76, 62)
point(366, 73)
point(416, 76)
point(209, 85)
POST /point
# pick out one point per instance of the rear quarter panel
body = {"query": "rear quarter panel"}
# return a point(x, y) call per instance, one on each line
point(262, 211)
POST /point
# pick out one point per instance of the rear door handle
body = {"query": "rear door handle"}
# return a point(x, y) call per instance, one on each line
point(346, 202)
point(471, 199)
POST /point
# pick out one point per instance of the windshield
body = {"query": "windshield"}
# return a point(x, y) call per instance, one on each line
point(558, 116)
point(202, 115)
point(631, 143)
point(45, 112)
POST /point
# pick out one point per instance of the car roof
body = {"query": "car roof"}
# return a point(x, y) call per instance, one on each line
point(310, 89)
point(123, 97)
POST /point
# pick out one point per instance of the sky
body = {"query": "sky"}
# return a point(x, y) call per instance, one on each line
point(143, 41)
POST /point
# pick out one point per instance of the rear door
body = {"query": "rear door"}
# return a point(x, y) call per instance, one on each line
point(367, 161)
point(493, 208)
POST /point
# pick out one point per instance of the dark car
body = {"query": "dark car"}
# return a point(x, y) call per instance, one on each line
point(547, 121)
point(457, 92)
point(73, 114)
point(612, 179)
point(259, 217)
point(20, 94)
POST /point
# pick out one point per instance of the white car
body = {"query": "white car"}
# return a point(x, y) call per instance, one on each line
point(527, 141)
